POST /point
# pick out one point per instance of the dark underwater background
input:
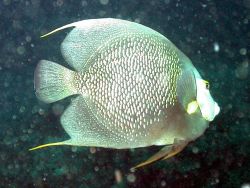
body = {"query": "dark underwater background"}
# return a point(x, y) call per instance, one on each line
point(214, 34)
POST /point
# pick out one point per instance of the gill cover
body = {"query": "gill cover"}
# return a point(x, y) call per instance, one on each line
point(187, 91)
point(193, 94)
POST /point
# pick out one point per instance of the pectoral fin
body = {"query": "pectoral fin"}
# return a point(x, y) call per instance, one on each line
point(165, 153)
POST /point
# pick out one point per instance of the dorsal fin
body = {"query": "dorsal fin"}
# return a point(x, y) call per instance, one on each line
point(60, 28)
point(89, 35)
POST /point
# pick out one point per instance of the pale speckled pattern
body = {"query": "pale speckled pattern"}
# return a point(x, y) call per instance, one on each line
point(220, 158)
point(129, 87)
point(89, 35)
point(127, 76)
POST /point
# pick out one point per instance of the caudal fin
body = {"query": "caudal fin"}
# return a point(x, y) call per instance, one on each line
point(53, 82)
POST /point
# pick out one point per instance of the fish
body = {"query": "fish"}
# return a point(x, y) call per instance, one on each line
point(133, 88)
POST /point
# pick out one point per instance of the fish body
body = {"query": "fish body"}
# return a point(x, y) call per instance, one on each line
point(134, 88)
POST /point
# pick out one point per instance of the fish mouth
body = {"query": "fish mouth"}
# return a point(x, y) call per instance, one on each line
point(215, 112)
point(216, 109)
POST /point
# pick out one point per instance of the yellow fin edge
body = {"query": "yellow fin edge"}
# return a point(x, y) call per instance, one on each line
point(47, 34)
point(47, 145)
point(165, 153)
point(58, 29)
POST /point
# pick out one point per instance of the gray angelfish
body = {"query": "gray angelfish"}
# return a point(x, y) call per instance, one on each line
point(135, 89)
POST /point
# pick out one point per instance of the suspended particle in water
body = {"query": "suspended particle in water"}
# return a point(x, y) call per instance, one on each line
point(28, 38)
point(57, 109)
point(243, 51)
point(84, 3)
point(163, 183)
point(167, 1)
point(6, 2)
point(245, 185)
point(131, 178)
point(104, 2)
point(92, 150)
point(241, 71)
point(216, 47)
point(20, 50)
point(118, 176)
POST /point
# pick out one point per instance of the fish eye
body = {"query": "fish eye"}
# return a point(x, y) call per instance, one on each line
point(207, 85)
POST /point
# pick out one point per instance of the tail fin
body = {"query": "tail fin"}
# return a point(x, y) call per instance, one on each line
point(53, 82)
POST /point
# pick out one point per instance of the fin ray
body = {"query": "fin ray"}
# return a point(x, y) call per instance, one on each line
point(47, 145)
point(59, 29)
point(165, 153)
point(81, 124)
point(53, 82)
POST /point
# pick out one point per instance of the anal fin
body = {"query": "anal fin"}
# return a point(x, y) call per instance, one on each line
point(165, 153)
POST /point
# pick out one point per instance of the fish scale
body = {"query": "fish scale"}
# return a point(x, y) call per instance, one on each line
point(123, 71)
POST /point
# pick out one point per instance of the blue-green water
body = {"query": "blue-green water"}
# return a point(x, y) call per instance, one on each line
point(214, 34)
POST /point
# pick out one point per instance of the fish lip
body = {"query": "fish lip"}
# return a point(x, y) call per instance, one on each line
point(216, 112)
point(208, 118)
point(216, 109)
